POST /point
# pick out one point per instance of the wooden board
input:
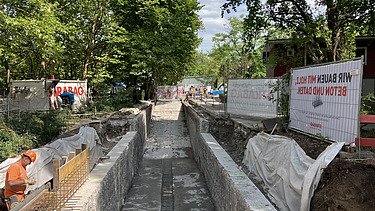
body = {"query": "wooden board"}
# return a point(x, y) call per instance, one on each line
point(74, 163)
point(366, 142)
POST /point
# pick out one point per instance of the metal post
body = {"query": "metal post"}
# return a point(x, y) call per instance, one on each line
point(359, 108)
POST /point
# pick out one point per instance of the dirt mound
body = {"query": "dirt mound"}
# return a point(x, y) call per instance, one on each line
point(346, 185)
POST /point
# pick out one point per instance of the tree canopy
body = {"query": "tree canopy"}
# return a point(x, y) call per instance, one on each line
point(114, 40)
point(326, 27)
point(236, 61)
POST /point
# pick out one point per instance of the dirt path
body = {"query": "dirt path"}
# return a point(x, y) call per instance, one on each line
point(169, 178)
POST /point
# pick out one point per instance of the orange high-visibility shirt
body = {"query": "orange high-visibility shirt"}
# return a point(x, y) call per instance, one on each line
point(15, 172)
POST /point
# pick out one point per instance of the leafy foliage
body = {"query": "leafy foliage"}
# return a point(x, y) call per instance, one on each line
point(27, 131)
point(368, 104)
point(11, 143)
point(235, 60)
point(107, 103)
point(142, 43)
point(27, 43)
point(327, 27)
point(152, 41)
point(44, 126)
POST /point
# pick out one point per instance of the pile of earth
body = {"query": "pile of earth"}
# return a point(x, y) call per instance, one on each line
point(344, 185)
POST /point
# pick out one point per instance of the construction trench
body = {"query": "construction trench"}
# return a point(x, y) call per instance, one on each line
point(164, 157)
point(169, 163)
point(172, 163)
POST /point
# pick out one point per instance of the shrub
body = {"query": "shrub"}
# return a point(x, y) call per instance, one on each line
point(368, 104)
point(44, 126)
point(112, 102)
point(12, 144)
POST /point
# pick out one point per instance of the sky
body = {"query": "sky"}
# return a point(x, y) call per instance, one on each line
point(210, 16)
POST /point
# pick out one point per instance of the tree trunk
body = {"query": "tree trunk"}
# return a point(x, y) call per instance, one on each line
point(91, 40)
point(333, 26)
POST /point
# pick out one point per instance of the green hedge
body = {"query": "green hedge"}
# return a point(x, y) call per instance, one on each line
point(22, 131)
point(12, 144)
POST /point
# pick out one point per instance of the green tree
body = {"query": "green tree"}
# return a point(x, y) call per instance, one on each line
point(153, 41)
point(328, 35)
point(84, 38)
point(237, 61)
point(204, 65)
point(28, 44)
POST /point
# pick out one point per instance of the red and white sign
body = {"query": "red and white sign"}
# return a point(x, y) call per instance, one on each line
point(324, 100)
point(78, 88)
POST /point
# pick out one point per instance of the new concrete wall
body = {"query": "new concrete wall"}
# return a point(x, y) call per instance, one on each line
point(109, 182)
point(229, 186)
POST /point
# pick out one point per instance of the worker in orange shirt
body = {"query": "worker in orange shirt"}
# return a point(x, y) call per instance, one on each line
point(16, 179)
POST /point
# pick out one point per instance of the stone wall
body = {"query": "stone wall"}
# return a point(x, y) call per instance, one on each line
point(109, 182)
point(229, 186)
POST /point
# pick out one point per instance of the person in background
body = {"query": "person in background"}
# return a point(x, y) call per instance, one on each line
point(192, 91)
point(16, 179)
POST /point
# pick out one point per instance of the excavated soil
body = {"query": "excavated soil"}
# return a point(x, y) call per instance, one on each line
point(345, 184)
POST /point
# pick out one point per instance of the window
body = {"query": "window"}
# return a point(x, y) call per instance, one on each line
point(361, 51)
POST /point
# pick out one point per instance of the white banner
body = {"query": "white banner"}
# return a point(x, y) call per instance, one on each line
point(252, 97)
point(28, 95)
point(325, 99)
point(169, 92)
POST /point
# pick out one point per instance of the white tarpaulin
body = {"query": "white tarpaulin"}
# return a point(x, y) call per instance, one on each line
point(42, 169)
point(290, 176)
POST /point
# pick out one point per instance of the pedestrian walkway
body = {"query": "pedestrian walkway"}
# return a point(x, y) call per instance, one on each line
point(169, 178)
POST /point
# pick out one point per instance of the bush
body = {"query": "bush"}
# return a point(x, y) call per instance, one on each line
point(368, 104)
point(12, 144)
point(44, 126)
point(113, 102)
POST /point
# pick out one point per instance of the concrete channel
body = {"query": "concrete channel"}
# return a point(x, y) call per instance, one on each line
point(173, 163)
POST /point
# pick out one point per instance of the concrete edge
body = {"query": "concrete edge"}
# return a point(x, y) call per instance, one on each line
point(94, 190)
point(244, 188)
point(110, 180)
point(229, 186)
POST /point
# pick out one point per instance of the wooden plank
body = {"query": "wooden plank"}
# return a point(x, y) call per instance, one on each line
point(56, 180)
point(78, 151)
point(367, 119)
point(74, 163)
point(71, 156)
point(34, 201)
point(366, 142)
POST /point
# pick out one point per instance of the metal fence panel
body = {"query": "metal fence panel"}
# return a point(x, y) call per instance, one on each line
point(252, 97)
point(169, 92)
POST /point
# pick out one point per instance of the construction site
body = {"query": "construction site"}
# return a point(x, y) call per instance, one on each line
point(178, 155)
point(191, 151)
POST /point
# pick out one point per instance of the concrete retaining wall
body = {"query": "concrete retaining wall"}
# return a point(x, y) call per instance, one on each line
point(109, 182)
point(229, 186)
